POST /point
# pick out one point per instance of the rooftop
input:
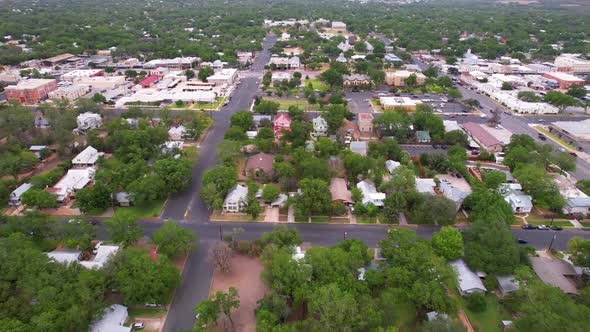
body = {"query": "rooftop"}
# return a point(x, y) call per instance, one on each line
point(553, 271)
point(112, 320)
point(468, 280)
point(31, 83)
point(580, 129)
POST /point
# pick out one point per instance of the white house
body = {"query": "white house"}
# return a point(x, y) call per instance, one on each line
point(112, 320)
point(518, 200)
point(320, 127)
point(87, 157)
point(391, 165)
point(87, 121)
point(236, 199)
point(15, 195)
point(576, 201)
point(370, 194)
point(468, 281)
point(103, 254)
point(73, 181)
point(177, 133)
point(454, 188)
point(425, 186)
point(64, 256)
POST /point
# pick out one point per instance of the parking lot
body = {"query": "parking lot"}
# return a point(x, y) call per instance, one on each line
point(359, 101)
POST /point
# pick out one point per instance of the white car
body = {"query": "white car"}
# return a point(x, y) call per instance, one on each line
point(137, 326)
point(543, 227)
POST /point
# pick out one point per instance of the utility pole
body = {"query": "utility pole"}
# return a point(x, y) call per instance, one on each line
point(551, 243)
point(345, 234)
point(220, 234)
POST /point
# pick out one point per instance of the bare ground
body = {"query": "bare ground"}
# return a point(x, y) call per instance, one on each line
point(245, 277)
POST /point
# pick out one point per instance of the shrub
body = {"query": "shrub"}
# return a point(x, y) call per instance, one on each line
point(490, 282)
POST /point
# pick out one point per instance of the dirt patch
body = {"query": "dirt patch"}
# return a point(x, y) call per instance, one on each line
point(245, 277)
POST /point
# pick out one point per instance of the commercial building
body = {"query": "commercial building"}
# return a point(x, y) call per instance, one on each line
point(71, 92)
point(483, 137)
point(79, 73)
point(389, 103)
point(398, 78)
point(101, 82)
point(149, 81)
point(577, 130)
point(357, 80)
point(180, 63)
point(224, 76)
point(563, 79)
point(30, 91)
point(285, 62)
point(572, 63)
point(58, 59)
point(154, 96)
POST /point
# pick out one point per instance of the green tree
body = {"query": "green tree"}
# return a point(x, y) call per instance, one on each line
point(430, 72)
point(492, 179)
point(580, 251)
point(490, 247)
point(576, 91)
point(559, 100)
point(332, 77)
point(456, 137)
point(190, 74)
point(172, 239)
point(584, 186)
point(95, 198)
point(146, 190)
point(337, 310)
point(242, 119)
point(39, 198)
point(282, 236)
point(124, 230)
point(267, 107)
point(216, 183)
point(442, 325)
point(205, 72)
point(448, 243)
point(451, 60)
point(315, 197)
point(270, 192)
point(141, 279)
point(174, 172)
point(454, 93)
point(507, 86)
point(431, 209)
point(528, 96)
point(99, 98)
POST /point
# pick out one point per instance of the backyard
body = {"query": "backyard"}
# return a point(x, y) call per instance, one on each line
point(489, 320)
point(153, 210)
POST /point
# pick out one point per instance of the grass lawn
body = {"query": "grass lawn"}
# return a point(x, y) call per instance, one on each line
point(366, 220)
point(301, 103)
point(317, 84)
point(555, 137)
point(490, 319)
point(138, 212)
point(300, 218)
point(585, 223)
point(404, 316)
point(215, 105)
point(320, 219)
point(134, 312)
point(548, 222)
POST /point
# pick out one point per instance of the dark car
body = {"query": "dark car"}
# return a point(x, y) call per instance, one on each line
point(522, 241)
point(542, 137)
point(528, 226)
point(574, 154)
point(556, 228)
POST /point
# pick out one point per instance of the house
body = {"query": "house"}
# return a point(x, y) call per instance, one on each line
point(280, 123)
point(468, 281)
point(576, 201)
point(454, 188)
point(483, 137)
point(259, 166)
point(87, 121)
point(435, 315)
point(356, 81)
point(16, 193)
point(359, 147)
point(170, 147)
point(337, 25)
point(103, 254)
point(280, 201)
point(112, 320)
point(365, 122)
point(260, 118)
point(177, 133)
point(41, 121)
point(425, 186)
point(339, 191)
point(236, 199)
point(390, 57)
point(65, 256)
point(36, 149)
point(507, 284)
point(369, 47)
point(390, 103)
point(285, 62)
point(123, 199)
point(320, 127)
point(341, 58)
point(348, 132)
point(391, 165)
point(518, 200)
point(344, 46)
point(74, 180)
point(555, 272)
point(88, 157)
point(370, 193)
point(423, 136)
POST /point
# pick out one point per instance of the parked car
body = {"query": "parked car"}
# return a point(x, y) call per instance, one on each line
point(574, 154)
point(95, 250)
point(137, 326)
point(152, 305)
point(542, 137)
point(556, 228)
point(522, 241)
point(543, 227)
point(528, 226)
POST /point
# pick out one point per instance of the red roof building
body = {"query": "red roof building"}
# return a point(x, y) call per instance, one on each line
point(281, 121)
point(564, 79)
point(149, 81)
point(483, 137)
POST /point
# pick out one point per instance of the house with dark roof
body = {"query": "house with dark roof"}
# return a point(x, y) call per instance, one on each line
point(259, 166)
